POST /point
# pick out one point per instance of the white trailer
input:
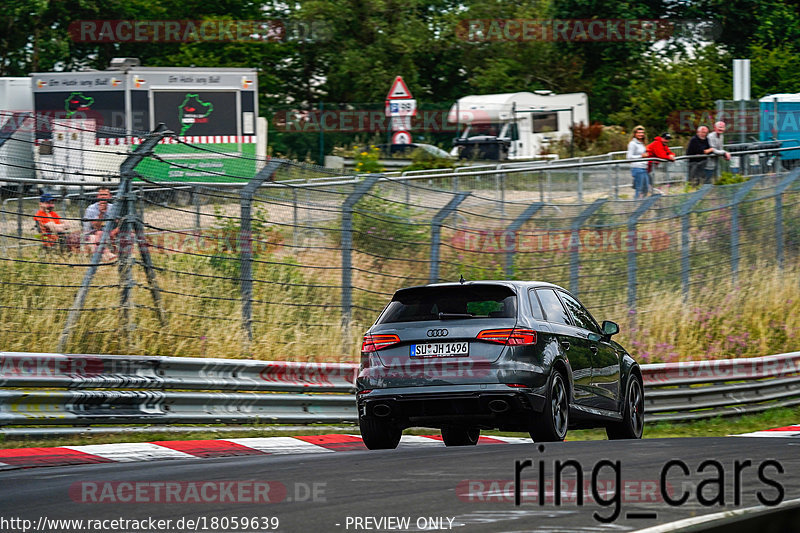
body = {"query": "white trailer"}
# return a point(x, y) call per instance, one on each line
point(515, 125)
point(16, 129)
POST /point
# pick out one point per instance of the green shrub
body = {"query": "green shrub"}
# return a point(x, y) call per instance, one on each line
point(367, 161)
point(728, 178)
point(385, 228)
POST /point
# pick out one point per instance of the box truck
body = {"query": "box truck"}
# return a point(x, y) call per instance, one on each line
point(89, 120)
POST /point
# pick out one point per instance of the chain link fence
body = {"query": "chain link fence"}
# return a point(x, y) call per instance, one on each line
point(293, 262)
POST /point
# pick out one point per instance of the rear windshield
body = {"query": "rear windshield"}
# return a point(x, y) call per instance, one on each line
point(464, 301)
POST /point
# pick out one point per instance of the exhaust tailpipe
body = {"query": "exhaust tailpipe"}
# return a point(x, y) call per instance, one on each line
point(498, 406)
point(381, 409)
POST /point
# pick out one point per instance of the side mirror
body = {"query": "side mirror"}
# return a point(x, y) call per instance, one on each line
point(610, 328)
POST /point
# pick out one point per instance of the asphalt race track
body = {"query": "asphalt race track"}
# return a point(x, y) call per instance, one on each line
point(412, 488)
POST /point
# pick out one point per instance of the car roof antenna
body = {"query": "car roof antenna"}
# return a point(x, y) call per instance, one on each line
point(461, 279)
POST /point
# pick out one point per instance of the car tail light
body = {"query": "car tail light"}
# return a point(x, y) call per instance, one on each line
point(373, 343)
point(508, 336)
point(365, 391)
point(516, 385)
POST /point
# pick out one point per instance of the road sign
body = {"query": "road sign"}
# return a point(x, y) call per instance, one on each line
point(401, 108)
point(401, 137)
point(399, 90)
point(400, 123)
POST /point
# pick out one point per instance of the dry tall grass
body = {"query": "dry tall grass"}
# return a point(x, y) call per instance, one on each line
point(294, 321)
point(758, 315)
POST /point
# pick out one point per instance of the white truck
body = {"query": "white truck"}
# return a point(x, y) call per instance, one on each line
point(16, 129)
point(515, 125)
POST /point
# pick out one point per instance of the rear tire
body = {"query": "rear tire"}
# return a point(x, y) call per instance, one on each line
point(632, 424)
point(379, 434)
point(460, 436)
point(553, 422)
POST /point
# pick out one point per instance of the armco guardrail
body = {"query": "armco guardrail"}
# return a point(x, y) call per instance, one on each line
point(78, 371)
point(106, 389)
point(705, 389)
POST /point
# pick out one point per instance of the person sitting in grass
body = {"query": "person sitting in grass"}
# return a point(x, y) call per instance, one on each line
point(53, 229)
point(94, 219)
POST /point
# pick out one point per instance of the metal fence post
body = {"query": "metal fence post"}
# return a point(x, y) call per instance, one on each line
point(126, 174)
point(580, 182)
point(347, 247)
point(125, 259)
point(246, 245)
point(743, 191)
point(436, 232)
point(549, 185)
point(684, 212)
point(616, 181)
point(513, 228)
point(501, 179)
point(541, 186)
point(19, 218)
point(295, 219)
point(779, 230)
point(197, 220)
point(575, 243)
point(782, 186)
point(632, 242)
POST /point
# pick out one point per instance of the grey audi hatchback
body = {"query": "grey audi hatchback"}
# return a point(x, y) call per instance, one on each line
point(508, 355)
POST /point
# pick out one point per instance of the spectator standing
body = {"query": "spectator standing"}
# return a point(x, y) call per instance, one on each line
point(716, 143)
point(94, 218)
point(698, 145)
point(637, 149)
point(660, 149)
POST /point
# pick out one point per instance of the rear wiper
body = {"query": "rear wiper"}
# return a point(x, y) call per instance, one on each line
point(445, 316)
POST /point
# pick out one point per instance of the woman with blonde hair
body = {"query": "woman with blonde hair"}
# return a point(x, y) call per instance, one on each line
point(636, 150)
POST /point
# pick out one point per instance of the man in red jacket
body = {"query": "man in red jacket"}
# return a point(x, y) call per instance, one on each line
point(658, 148)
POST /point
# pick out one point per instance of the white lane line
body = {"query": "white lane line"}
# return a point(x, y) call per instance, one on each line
point(419, 440)
point(686, 522)
point(779, 434)
point(134, 451)
point(512, 440)
point(280, 445)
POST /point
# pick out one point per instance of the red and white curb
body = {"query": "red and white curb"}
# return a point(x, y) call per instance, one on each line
point(788, 431)
point(202, 449)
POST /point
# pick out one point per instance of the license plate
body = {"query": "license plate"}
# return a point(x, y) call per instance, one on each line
point(439, 349)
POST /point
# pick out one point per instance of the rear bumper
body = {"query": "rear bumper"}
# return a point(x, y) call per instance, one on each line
point(492, 406)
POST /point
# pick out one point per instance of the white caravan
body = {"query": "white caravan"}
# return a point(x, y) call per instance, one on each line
point(16, 129)
point(515, 125)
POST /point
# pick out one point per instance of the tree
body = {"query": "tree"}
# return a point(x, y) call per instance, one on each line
point(670, 91)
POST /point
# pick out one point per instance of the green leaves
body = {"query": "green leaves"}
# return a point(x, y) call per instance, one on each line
point(349, 51)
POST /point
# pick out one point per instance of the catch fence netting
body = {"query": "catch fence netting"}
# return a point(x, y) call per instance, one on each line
point(318, 255)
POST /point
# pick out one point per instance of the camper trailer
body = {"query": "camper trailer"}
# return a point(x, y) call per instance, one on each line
point(16, 129)
point(515, 125)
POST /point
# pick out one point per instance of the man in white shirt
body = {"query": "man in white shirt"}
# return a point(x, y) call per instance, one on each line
point(716, 142)
point(94, 218)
